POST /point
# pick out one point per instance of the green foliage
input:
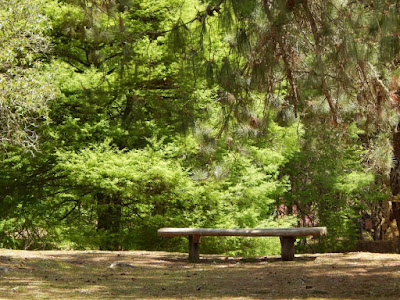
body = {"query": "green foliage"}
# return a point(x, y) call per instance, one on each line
point(192, 114)
point(334, 188)
point(243, 8)
point(155, 191)
point(24, 82)
point(178, 37)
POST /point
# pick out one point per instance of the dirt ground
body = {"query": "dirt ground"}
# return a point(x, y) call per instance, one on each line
point(162, 275)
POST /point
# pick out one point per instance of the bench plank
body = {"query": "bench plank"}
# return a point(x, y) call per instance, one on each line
point(303, 231)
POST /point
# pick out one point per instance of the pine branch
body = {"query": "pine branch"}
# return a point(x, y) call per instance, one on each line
point(74, 58)
point(319, 50)
point(289, 75)
point(77, 203)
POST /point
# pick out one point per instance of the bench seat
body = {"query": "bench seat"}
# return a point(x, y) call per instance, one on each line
point(287, 236)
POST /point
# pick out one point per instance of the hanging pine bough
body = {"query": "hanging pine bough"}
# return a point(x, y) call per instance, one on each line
point(226, 76)
point(243, 9)
point(390, 48)
point(209, 73)
point(285, 39)
point(243, 43)
point(177, 38)
point(290, 44)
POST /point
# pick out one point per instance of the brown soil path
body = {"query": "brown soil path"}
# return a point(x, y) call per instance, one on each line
point(162, 275)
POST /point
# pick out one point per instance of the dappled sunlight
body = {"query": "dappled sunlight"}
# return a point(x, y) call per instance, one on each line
point(162, 275)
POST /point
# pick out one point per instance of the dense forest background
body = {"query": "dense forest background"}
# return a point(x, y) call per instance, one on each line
point(119, 117)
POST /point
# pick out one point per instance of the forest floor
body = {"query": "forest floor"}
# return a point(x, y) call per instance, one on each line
point(162, 275)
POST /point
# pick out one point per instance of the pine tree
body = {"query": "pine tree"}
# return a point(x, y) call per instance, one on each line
point(327, 62)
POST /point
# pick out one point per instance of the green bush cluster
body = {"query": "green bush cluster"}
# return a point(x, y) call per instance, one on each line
point(181, 113)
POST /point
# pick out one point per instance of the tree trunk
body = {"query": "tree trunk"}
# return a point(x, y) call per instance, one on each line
point(109, 221)
point(395, 179)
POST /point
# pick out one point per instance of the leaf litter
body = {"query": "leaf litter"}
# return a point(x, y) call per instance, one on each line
point(162, 275)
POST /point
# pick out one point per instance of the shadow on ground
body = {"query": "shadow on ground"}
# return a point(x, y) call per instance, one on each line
point(234, 260)
point(160, 275)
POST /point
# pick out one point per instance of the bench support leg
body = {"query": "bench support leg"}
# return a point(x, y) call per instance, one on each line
point(194, 248)
point(287, 247)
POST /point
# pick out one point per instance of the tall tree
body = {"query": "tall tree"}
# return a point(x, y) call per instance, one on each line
point(328, 62)
point(118, 82)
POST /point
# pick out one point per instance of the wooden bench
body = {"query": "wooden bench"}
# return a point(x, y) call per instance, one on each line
point(286, 235)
